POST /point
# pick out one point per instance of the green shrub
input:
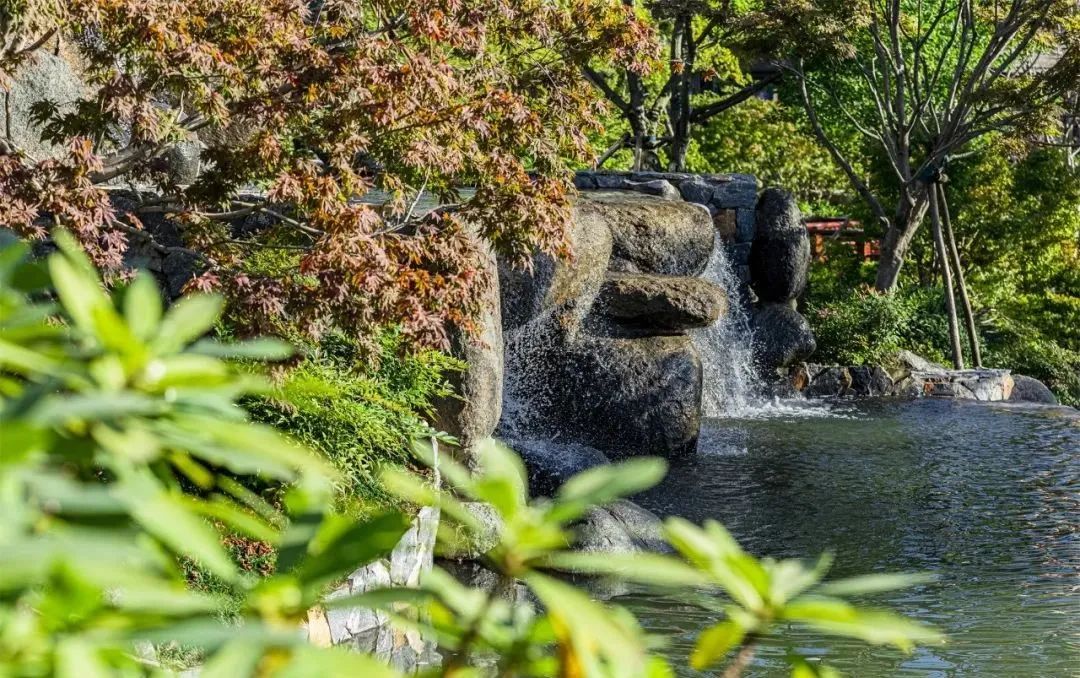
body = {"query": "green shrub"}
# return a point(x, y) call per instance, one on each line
point(361, 411)
point(1026, 349)
point(864, 327)
point(122, 451)
point(1027, 336)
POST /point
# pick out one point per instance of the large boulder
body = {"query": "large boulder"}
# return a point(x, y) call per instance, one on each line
point(473, 413)
point(1031, 390)
point(629, 397)
point(43, 77)
point(550, 464)
point(660, 304)
point(559, 291)
point(780, 253)
point(649, 234)
point(782, 336)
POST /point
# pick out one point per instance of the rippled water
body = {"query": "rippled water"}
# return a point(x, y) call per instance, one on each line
point(987, 496)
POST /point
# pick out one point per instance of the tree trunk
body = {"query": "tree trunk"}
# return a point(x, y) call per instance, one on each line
point(638, 119)
point(946, 277)
point(965, 302)
point(898, 236)
point(682, 59)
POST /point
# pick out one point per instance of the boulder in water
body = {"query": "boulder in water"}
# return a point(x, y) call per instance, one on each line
point(827, 381)
point(660, 304)
point(782, 336)
point(870, 380)
point(550, 464)
point(623, 396)
point(621, 527)
point(1031, 390)
point(670, 237)
point(780, 252)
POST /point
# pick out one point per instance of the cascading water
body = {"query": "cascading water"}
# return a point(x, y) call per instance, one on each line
point(730, 384)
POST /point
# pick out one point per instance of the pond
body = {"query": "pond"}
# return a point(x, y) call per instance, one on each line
point(986, 496)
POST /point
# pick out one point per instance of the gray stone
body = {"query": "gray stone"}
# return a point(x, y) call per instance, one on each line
point(409, 560)
point(870, 380)
point(559, 292)
point(473, 413)
point(988, 385)
point(828, 382)
point(651, 235)
point(476, 575)
point(915, 362)
point(183, 162)
point(621, 527)
point(780, 254)
point(696, 191)
point(641, 524)
point(781, 336)
point(456, 542)
point(661, 188)
point(734, 192)
point(1031, 390)
point(630, 397)
point(584, 181)
point(745, 222)
point(601, 532)
point(551, 464)
point(610, 180)
point(43, 77)
point(663, 304)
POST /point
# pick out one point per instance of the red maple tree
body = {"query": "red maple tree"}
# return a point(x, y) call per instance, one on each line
point(310, 105)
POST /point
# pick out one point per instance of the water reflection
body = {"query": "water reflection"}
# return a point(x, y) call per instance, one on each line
point(988, 496)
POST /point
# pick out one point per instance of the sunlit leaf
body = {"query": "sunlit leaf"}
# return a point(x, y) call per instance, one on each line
point(142, 306)
point(878, 627)
point(715, 642)
point(873, 583)
point(646, 568)
point(187, 320)
point(235, 660)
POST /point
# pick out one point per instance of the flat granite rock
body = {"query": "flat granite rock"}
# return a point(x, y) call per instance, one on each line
point(665, 304)
point(651, 234)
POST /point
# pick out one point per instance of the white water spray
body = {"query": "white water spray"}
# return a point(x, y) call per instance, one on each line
point(731, 386)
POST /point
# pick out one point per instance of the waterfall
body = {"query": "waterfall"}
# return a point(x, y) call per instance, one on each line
point(730, 383)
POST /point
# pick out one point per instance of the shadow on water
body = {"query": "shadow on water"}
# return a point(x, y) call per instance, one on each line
point(986, 496)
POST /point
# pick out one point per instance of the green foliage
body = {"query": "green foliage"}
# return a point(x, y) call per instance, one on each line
point(758, 598)
point(123, 448)
point(861, 326)
point(360, 411)
point(745, 139)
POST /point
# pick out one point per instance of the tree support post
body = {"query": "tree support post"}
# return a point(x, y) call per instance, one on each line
point(946, 273)
point(965, 302)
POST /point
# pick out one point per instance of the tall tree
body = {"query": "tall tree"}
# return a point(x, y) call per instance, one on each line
point(701, 78)
point(923, 80)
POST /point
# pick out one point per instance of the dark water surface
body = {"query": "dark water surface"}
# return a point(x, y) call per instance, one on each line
point(986, 496)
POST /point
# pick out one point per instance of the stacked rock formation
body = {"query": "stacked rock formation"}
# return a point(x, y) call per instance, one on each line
point(597, 350)
point(779, 265)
